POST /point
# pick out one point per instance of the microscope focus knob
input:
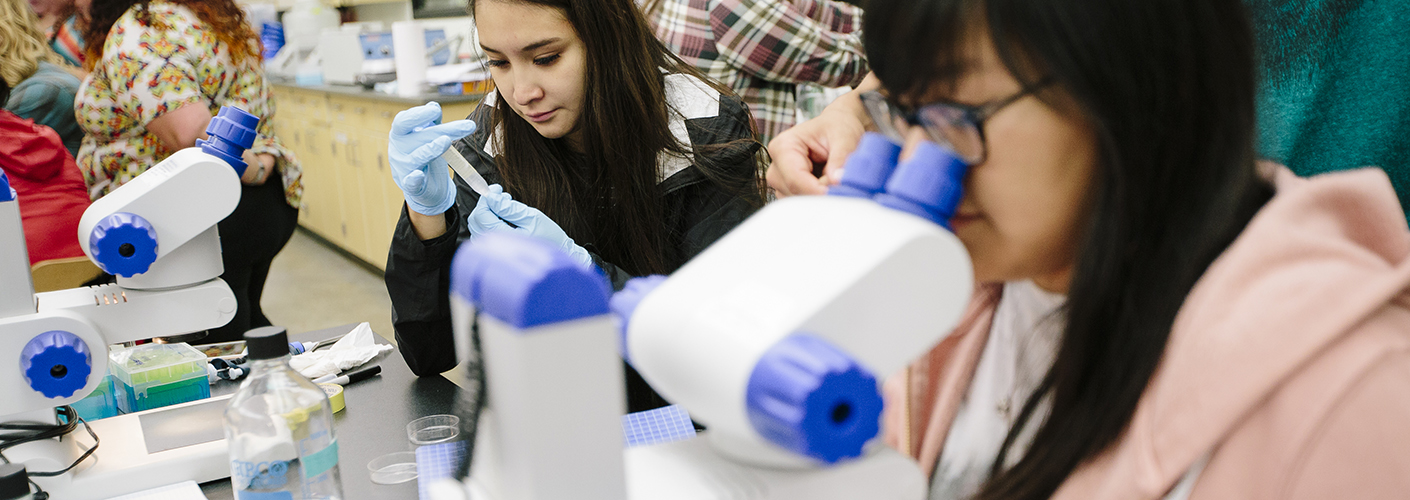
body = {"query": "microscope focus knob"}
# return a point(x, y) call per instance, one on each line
point(56, 363)
point(124, 244)
point(810, 397)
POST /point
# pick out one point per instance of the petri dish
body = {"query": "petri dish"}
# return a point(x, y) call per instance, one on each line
point(433, 429)
point(393, 468)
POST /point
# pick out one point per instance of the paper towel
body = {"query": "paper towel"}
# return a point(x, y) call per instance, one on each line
point(409, 45)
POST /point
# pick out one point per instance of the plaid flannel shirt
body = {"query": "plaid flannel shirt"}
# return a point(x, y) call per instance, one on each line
point(763, 49)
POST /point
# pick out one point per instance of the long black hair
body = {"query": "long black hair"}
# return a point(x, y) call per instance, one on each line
point(609, 194)
point(1168, 88)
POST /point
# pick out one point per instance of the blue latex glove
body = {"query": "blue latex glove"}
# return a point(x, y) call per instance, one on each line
point(414, 150)
point(496, 207)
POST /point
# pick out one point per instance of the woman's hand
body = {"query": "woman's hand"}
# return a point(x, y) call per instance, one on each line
point(497, 210)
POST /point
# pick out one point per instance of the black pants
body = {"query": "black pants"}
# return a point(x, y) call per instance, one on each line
point(249, 239)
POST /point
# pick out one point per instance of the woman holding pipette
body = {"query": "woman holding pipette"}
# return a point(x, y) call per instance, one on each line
point(596, 139)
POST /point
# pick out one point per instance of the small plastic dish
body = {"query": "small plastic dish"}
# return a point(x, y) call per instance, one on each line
point(393, 468)
point(433, 429)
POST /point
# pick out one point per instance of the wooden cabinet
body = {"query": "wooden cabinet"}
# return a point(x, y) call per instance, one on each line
point(340, 140)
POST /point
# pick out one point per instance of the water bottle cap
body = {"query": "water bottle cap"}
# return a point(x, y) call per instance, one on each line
point(269, 342)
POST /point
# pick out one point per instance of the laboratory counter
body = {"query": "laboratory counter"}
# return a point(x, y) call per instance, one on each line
point(374, 423)
point(359, 92)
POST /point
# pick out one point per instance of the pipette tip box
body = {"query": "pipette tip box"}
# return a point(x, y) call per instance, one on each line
point(156, 375)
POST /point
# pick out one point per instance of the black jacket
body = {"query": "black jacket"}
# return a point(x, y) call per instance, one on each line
point(418, 272)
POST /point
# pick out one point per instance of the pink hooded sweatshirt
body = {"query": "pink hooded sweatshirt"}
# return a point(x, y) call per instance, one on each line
point(1288, 365)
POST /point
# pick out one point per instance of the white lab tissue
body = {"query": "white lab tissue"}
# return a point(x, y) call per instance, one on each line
point(354, 349)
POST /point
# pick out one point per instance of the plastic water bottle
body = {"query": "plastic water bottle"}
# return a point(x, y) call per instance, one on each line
point(280, 429)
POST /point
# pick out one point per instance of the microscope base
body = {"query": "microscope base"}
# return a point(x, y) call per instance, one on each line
point(122, 464)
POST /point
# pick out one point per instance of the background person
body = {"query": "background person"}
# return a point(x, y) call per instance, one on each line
point(764, 49)
point(40, 88)
point(1157, 316)
point(159, 70)
point(51, 193)
point(58, 20)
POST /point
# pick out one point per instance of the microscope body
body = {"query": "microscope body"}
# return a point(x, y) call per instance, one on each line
point(157, 234)
point(775, 338)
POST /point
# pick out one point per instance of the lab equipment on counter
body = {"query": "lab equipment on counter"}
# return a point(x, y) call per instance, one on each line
point(393, 468)
point(363, 53)
point(158, 234)
point(155, 375)
point(409, 52)
point(351, 351)
point(362, 374)
point(302, 25)
point(775, 338)
point(279, 427)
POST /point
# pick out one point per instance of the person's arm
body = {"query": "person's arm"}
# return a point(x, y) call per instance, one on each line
point(809, 157)
point(418, 283)
point(418, 273)
point(837, 16)
point(179, 129)
point(809, 52)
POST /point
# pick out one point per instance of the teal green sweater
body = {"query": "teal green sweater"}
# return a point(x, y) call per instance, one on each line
point(1335, 89)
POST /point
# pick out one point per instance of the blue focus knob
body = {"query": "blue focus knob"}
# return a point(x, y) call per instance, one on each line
point(810, 397)
point(929, 184)
point(868, 168)
point(124, 244)
point(231, 132)
point(56, 363)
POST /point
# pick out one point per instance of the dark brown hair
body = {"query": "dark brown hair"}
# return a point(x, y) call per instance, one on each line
point(609, 193)
point(223, 17)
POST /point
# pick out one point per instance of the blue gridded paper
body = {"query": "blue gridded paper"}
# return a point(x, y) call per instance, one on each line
point(436, 461)
point(662, 425)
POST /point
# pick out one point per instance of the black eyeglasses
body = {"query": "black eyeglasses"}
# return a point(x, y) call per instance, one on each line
point(957, 126)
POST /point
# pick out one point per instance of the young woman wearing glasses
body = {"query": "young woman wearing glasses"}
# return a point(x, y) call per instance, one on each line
point(1159, 315)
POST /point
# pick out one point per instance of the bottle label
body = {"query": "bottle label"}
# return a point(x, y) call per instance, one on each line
point(259, 475)
point(320, 461)
point(263, 495)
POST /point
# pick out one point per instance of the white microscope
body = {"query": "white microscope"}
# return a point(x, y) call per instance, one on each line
point(775, 338)
point(157, 234)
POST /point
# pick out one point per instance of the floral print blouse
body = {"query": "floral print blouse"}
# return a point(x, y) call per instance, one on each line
point(149, 68)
